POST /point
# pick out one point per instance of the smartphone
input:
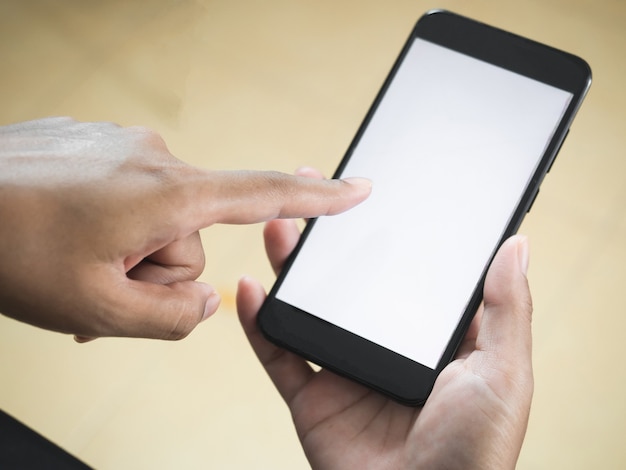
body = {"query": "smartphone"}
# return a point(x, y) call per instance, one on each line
point(457, 143)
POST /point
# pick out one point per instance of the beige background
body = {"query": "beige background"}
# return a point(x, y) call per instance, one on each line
point(276, 84)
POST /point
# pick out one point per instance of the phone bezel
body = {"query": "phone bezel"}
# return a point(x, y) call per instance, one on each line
point(350, 355)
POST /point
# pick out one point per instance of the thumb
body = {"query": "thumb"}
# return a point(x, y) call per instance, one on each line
point(171, 311)
point(505, 329)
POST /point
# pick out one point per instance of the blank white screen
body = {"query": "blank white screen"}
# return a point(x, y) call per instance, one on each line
point(450, 151)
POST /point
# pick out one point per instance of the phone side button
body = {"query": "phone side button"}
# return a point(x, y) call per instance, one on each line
point(556, 154)
point(532, 201)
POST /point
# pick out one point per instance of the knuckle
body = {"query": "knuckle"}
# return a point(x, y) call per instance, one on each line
point(279, 183)
point(147, 137)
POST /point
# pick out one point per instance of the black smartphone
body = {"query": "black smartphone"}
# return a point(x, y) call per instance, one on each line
point(457, 143)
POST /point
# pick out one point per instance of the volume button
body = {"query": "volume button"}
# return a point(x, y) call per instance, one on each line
point(532, 201)
point(558, 150)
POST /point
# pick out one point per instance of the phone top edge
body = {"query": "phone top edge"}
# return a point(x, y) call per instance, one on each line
point(472, 37)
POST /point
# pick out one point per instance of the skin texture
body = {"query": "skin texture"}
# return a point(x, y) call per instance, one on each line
point(476, 416)
point(99, 226)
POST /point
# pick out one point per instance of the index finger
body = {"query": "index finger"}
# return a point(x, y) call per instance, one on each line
point(245, 197)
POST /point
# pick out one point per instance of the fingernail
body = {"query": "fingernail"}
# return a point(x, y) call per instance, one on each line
point(523, 254)
point(211, 305)
point(83, 339)
point(305, 171)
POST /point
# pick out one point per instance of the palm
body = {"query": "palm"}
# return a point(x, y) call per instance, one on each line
point(475, 416)
point(340, 423)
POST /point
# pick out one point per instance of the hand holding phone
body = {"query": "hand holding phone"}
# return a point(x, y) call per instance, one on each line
point(476, 416)
point(457, 144)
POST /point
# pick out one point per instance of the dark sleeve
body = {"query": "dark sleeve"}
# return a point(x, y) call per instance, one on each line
point(23, 448)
